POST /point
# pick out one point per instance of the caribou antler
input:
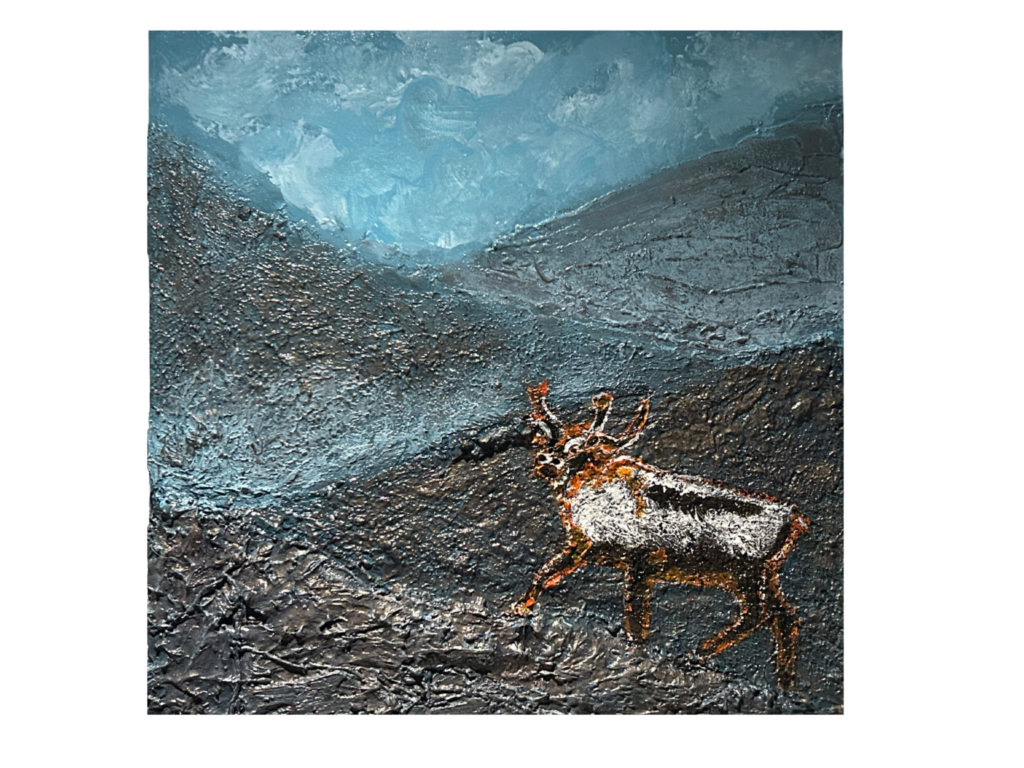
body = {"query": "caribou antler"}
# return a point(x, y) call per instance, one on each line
point(632, 432)
point(602, 408)
point(543, 417)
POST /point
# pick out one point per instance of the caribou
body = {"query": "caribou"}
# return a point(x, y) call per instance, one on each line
point(659, 526)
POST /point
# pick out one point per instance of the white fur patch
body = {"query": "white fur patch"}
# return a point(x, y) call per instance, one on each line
point(607, 515)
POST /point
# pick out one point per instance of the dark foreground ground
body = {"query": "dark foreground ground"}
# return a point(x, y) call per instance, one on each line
point(390, 594)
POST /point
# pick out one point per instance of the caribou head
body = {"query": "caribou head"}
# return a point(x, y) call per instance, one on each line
point(563, 450)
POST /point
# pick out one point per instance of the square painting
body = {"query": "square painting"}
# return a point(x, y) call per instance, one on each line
point(496, 372)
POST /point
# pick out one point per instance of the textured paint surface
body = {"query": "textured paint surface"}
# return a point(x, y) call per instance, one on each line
point(343, 508)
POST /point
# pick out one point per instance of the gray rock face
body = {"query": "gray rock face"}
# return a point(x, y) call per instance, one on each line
point(741, 248)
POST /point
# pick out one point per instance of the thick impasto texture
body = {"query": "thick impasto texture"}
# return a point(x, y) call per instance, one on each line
point(364, 248)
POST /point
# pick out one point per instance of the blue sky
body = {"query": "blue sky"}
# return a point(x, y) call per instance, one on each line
point(437, 143)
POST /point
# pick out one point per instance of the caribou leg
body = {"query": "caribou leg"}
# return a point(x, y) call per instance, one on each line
point(636, 595)
point(752, 615)
point(786, 627)
point(552, 572)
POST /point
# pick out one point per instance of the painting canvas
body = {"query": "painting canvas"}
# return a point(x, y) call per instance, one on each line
point(495, 372)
